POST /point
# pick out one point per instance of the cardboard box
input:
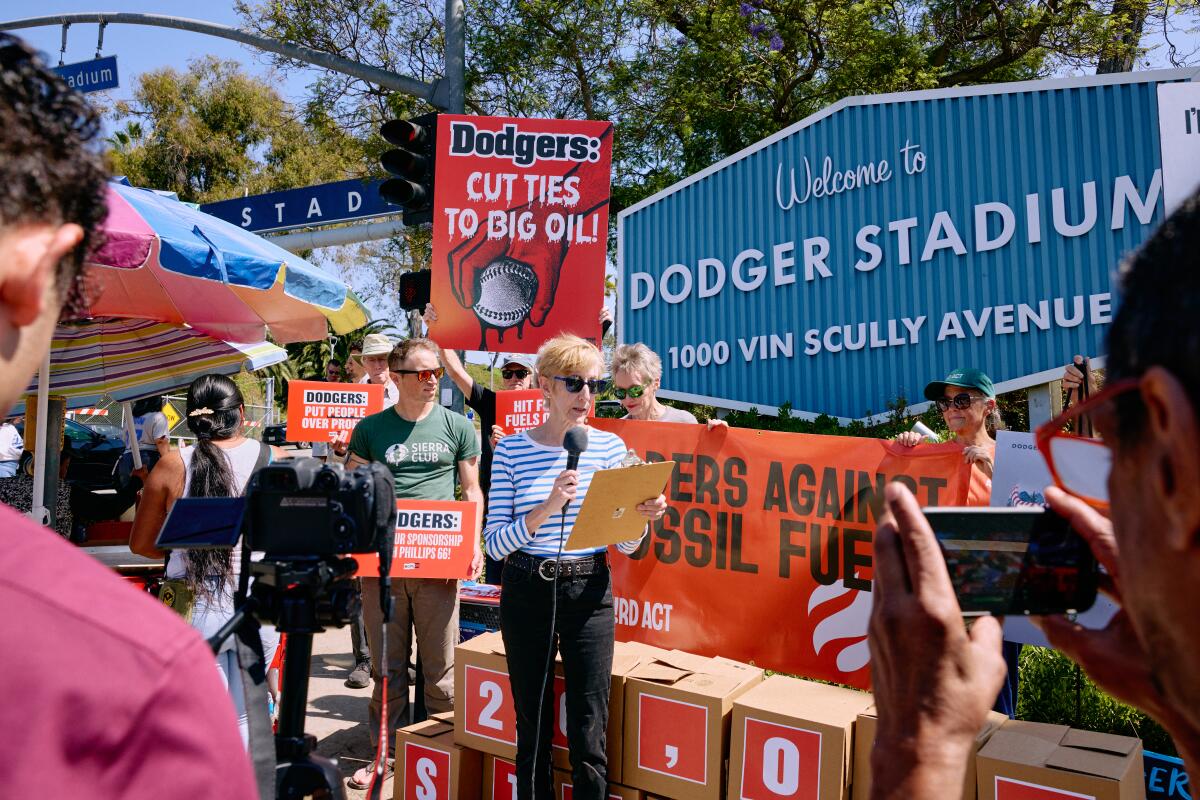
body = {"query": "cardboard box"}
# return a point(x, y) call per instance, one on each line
point(499, 778)
point(793, 739)
point(1033, 761)
point(563, 789)
point(625, 659)
point(431, 766)
point(484, 718)
point(864, 740)
point(677, 715)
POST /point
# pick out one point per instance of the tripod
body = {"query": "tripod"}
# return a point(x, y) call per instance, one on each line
point(302, 596)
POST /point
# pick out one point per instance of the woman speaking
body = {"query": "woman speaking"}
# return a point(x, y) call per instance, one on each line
point(552, 598)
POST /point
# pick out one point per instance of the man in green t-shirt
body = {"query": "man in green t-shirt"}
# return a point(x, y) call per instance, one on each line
point(427, 448)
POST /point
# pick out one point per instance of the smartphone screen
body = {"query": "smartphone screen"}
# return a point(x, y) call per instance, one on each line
point(1015, 560)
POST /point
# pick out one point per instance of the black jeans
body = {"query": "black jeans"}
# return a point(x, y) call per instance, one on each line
point(584, 638)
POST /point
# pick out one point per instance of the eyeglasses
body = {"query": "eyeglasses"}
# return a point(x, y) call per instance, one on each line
point(1079, 464)
point(633, 391)
point(509, 374)
point(575, 384)
point(424, 375)
point(961, 401)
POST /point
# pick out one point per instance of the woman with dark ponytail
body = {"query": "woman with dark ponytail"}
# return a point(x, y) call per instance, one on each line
point(203, 582)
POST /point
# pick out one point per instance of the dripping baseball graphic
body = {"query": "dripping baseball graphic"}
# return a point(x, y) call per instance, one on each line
point(520, 230)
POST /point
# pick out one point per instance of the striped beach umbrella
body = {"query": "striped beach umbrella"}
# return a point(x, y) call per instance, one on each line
point(164, 260)
point(125, 359)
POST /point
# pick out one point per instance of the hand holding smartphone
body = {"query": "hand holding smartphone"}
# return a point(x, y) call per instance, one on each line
point(1022, 561)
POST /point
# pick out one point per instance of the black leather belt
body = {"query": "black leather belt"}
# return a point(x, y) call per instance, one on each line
point(549, 568)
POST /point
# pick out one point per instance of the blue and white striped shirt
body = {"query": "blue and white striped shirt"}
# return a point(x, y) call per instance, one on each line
point(523, 474)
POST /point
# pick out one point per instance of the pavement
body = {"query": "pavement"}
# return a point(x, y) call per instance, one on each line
point(337, 714)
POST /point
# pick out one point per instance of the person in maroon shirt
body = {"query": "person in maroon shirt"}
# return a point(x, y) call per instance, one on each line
point(106, 693)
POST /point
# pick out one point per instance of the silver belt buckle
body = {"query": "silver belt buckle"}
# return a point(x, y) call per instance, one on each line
point(549, 562)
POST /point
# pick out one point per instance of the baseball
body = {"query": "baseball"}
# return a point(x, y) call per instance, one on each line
point(506, 292)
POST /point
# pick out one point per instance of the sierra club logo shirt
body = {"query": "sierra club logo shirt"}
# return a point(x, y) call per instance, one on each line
point(423, 456)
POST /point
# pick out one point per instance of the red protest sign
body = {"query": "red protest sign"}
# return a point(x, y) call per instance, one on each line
point(520, 410)
point(520, 230)
point(328, 412)
point(434, 539)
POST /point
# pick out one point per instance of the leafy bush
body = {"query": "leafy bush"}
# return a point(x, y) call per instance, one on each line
point(1053, 690)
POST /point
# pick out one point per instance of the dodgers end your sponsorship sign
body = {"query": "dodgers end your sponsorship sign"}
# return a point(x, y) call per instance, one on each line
point(874, 246)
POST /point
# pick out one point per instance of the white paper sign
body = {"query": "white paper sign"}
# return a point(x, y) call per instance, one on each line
point(1179, 138)
point(1019, 477)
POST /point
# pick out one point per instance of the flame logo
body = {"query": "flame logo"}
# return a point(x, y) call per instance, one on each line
point(846, 626)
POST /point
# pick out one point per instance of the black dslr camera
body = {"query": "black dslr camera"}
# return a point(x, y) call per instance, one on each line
point(301, 507)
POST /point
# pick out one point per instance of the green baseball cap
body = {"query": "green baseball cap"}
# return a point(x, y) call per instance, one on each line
point(966, 378)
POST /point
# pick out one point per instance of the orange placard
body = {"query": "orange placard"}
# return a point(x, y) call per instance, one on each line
point(673, 738)
point(519, 410)
point(328, 412)
point(765, 554)
point(434, 539)
point(426, 772)
point(781, 762)
point(488, 705)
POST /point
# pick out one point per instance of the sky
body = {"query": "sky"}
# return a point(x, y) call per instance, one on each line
point(139, 49)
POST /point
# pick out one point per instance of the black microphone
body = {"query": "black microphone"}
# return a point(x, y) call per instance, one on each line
point(575, 442)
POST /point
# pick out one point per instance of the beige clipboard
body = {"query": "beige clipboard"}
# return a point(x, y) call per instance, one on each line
point(609, 513)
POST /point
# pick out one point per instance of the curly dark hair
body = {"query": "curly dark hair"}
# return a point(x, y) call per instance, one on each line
point(51, 167)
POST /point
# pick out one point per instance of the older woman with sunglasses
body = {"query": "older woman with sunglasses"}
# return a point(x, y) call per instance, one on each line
point(967, 401)
point(554, 598)
point(637, 376)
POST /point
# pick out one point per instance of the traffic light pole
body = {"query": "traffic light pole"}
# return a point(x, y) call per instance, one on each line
point(456, 57)
point(445, 94)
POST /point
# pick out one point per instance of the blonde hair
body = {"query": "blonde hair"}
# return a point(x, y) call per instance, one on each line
point(567, 354)
point(402, 351)
point(638, 359)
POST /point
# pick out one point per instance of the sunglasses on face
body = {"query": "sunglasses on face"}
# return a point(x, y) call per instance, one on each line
point(575, 384)
point(960, 401)
point(633, 391)
point(509, 374)
point(424, 375)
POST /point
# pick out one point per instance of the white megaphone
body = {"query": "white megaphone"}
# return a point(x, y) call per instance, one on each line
point(926, 432)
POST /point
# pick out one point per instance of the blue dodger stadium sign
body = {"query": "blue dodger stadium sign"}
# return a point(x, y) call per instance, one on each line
point(852, 258)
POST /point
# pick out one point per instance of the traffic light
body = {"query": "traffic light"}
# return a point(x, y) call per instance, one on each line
point(412, 164)
point(414, 290)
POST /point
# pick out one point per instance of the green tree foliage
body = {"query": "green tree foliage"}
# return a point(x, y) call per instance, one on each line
point(213, 132)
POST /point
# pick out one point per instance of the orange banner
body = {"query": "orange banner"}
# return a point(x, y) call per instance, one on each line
point(434, 539)
point(765, 554)
point(328, 412)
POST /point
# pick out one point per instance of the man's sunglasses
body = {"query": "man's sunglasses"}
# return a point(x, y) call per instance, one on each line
point(424, 374)
point(575, 384)
point(960, 401)
point(509, 374)
point(633, 391)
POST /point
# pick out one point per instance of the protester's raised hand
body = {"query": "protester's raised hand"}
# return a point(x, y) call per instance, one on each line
point(974, 454)
point(1072, 377)
point(496, 435)
point(908, 439)
point(934, 679)
point(429, 315)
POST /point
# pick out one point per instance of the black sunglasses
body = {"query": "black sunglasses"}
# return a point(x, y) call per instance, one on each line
point(960, 401)
point(424, 374)
point(575, 384)
point(509, 374)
